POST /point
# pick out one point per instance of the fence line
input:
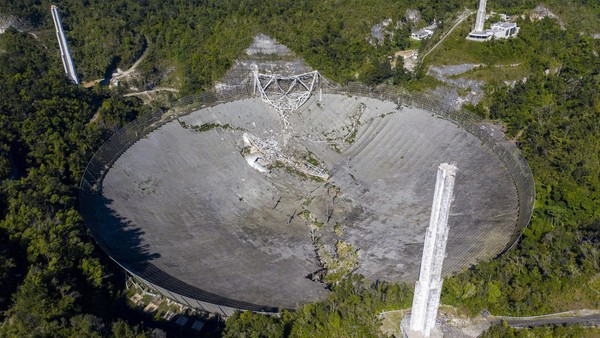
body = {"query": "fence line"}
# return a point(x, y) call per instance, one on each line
point(91, 181)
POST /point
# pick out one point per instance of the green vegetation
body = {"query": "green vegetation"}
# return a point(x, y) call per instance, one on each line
point(54, 282)
point(192, 44)
point(340, 264)
point(457, 50)
point(350, 311)
point(554, 331)
point(295, 170)
point(497, 74)
point(310, 158)
point(352, 137)
point(210, 126)
point(554, 119)
point(338, 229)
point(579, 16)
point(511, 59)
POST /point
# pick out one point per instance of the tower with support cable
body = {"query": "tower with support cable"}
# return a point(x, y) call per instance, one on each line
point(429, 286)
point(479, 33)
point(480, 16)
point(65, 54)
point(498, 30)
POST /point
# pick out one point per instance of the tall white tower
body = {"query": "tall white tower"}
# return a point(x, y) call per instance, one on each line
point(429, 287)
point(480, 16)
point(65, 54)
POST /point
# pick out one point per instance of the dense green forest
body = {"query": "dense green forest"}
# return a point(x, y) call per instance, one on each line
point(192, 43)
point(554, 118)
point(349, 312)
point(54, 282)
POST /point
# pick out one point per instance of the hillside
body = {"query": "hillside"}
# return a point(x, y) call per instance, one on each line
point(543, 87)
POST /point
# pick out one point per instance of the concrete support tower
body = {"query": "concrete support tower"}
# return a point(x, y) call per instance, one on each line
point(65, 54)
point(429, 287)
point(479, 22)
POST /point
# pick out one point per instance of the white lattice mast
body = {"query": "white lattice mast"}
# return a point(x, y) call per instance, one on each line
point(65, 54)
point(480, 21)
point(429, 287)
point(285, 93)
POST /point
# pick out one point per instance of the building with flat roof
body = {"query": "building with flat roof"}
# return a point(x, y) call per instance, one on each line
point(498, 30)
point(503, 30)
point(479, 36)
point(421, 34)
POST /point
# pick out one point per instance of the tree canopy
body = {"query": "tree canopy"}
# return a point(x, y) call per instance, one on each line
point(54, 282)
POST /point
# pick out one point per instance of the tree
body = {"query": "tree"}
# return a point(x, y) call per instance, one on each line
point(377, 72)
point(401, 75)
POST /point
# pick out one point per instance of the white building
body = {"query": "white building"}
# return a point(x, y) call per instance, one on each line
point(479, 36)
point(421, 34)
point(504, 30)
point(498, 30)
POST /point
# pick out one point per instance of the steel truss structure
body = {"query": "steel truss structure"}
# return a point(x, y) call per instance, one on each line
point(270, 153)
point(285, 93)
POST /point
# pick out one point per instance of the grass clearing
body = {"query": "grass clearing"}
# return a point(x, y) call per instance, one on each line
point(428, 82)
point(456, 49)
point(496, 74)
point(390, 323)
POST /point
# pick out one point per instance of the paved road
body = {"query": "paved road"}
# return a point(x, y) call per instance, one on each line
point(157, 89)
point(586, 319)
point(123, 74)
point(476, 326)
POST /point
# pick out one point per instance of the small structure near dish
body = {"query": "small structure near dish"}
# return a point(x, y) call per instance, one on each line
point(503, 30)
point(424, 33)
point(421, 34)
point(408, 57)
